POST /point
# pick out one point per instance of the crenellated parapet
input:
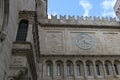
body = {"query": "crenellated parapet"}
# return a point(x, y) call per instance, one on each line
point(80, 20)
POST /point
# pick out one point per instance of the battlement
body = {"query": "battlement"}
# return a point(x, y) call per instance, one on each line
point(80, 20)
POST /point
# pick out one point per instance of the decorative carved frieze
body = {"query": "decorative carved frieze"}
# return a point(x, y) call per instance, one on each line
point(18, 61)
point(28, 15)
point(54, 41)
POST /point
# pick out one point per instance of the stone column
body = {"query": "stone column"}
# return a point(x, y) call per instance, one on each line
point(65, 70)
point(39, 71)
point(75, 71)
point(84, 65)
point(44, 71)
point(54, 70)
point(114, 73)
point(94, 69)
point(104, 69)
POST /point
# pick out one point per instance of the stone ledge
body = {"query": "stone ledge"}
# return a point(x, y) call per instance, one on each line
point(21, 45)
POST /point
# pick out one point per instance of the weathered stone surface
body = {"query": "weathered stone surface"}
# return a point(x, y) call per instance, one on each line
point(60, 42)
point(117, 8)
point(63, 41)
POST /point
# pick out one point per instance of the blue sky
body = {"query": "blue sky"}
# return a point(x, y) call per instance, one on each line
point(81, 7)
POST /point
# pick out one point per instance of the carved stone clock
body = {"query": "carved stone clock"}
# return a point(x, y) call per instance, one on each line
point(84, 41)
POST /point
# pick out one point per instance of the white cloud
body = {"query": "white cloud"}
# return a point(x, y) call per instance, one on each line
point(108, 5)
point(87, 6)
point(49, 16)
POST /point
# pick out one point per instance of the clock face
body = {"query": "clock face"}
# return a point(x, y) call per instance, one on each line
point(84, 41)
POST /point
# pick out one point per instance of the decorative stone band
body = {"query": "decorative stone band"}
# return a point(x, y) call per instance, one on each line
point(28, 15)
point(71, 20)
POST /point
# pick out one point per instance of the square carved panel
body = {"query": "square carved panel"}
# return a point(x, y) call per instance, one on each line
point(54, 41)
point(112, 42)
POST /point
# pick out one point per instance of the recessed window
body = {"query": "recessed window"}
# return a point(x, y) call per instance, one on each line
point(48, 69)
point(88, 70)
point(107, 69)
point(58, 70)
point(68, 69)
point(98, 69)
point(78, 70)
point(116, 69)
point(22, 31)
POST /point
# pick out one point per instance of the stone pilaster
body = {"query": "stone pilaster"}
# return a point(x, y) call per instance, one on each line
point(104, 69)
point(84, 65)
point(75, 71)
point(65, 70)
point(54, 70)
point(94, 68)
point(44, 70)
point(114, 73)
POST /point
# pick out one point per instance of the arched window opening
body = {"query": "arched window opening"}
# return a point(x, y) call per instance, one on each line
point(69, 68)
point(107, 69)
point(88, 70)
point(117, 67)
point(49, 68)
point(78, 70)
point(22, 31)
point(58, 70)
point(98, 69)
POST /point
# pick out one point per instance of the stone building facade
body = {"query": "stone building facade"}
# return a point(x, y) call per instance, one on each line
point(117, 8)
point(33, 47)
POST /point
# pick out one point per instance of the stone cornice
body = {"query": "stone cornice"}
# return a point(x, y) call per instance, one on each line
point(80, 56)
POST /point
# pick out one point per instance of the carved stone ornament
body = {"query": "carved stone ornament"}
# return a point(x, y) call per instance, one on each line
point(2, 36)
point(84, 41)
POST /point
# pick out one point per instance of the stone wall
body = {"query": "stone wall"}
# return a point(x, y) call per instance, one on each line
point(117, 8)
point(71, 40)
point(10, 30)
